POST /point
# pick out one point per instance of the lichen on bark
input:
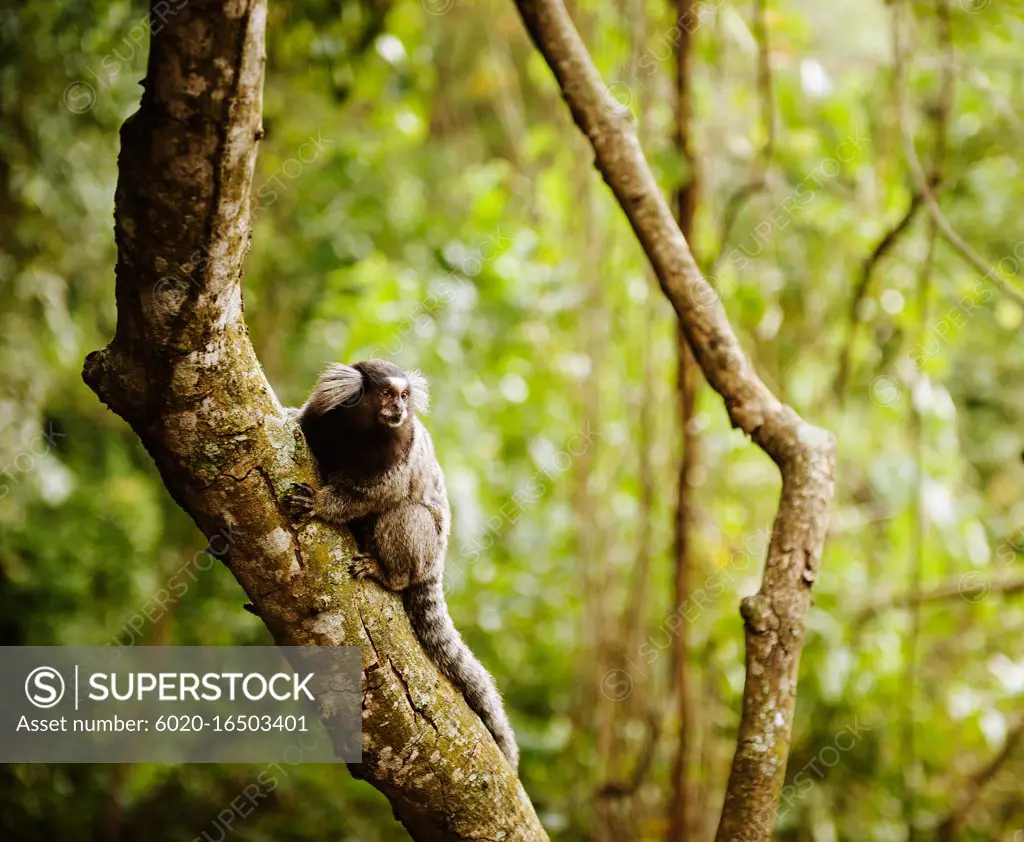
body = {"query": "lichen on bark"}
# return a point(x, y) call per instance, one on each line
point(182, 372)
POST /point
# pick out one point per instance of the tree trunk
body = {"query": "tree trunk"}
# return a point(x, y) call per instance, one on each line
point(805, 454)
point(182, 372)
point(683, 806)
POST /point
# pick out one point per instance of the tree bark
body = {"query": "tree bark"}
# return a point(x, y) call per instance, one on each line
point(683, 806)
point(805, 454)
point(182, 372)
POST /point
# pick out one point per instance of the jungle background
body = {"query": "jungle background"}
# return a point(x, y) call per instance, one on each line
point(422, 195)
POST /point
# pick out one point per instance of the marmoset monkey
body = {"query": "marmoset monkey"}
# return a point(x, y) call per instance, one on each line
point(380, 477)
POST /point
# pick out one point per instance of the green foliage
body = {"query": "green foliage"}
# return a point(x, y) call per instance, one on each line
point(421, 194)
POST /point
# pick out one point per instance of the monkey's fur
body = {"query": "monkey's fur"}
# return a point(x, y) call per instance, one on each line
point(381, 478)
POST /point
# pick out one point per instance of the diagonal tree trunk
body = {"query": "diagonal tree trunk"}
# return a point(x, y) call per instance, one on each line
point(182, 372)
point(805, 454)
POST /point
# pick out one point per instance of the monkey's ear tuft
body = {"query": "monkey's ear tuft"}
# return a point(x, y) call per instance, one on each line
point(420, 391)
point(339, 385)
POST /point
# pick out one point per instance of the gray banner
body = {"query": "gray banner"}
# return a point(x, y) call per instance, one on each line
point(180, 704)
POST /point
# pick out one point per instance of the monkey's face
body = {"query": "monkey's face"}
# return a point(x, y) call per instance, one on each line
point(370, 395)
point(392, 396)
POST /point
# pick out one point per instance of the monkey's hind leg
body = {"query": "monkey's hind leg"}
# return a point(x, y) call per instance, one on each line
point(405, 542)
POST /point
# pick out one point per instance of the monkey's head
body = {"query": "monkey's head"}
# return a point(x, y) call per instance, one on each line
point(368, 396)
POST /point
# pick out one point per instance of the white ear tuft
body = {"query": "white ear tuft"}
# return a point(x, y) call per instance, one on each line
point(420, 391)
point(338, 385)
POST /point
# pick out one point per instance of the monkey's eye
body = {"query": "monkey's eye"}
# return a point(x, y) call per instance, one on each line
point(405, 395)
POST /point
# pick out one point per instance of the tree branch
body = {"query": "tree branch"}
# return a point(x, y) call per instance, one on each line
point(182, 372)
point(758, 181)
point(887, 241)
point(965, 587)
point(805, 454)
point(625, 788)
point(949, 234)
point(971, 789)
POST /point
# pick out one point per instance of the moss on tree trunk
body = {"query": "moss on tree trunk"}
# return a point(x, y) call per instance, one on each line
point(182, 371)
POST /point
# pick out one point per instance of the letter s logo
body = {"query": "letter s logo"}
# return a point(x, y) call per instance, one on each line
point(44, 687)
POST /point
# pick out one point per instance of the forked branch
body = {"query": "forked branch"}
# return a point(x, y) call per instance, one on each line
point(805, 454)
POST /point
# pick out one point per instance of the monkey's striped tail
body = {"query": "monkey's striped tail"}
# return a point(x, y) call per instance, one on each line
point(428, 613)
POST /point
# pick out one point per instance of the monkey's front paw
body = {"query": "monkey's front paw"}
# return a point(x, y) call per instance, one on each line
point(364, 566)
point(299, 502)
